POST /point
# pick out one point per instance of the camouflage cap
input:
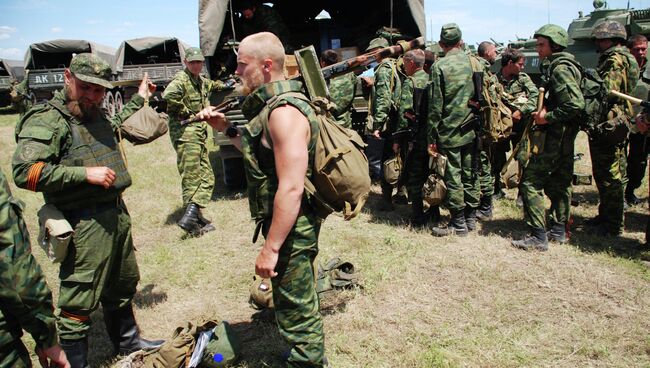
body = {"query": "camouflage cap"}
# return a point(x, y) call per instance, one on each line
point(609, 29)
point(194, 54)
point(554, 33)
point(450, 34)
point(378, 42)
point(92, 69)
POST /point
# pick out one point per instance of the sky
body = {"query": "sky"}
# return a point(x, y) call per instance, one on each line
point(109, 22)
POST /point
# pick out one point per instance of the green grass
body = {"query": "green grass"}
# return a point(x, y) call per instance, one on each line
point(426, 302)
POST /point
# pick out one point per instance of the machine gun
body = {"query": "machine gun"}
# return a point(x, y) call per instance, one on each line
point(228, 104)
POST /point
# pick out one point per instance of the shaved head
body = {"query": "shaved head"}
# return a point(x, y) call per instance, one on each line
point(264, 45)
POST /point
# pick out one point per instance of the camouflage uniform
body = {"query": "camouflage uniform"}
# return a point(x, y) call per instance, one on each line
point(25, 299)
point(452, 89)
point(637, 156)
point(186, 95)
point(342, 89)
point(294, 294)
point(485, 178)
point(20, 96)
point(550, 171)
point(267, 19)
point(53, 150)
point(619, 71)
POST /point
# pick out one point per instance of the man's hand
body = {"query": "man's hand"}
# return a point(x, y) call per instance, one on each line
point(53, 356)
point(396, 147)
point(540, 117)
point(266, 262)
point(214, 118)
point(100, 175)
point(146, 88)
point(641, 123)
point(516, 116)
point(432, 149)
point(376, 134)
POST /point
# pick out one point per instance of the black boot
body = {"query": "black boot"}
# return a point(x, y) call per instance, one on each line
point(124, 333)
point(190, 220)
point(484, 212)
point(418, 217)
point(204, 223)
point(386, 200)
point(557, 233)
point(470, 218)
point(76, 351)
point(456, 226)
point(535, 241)
point(433, 214)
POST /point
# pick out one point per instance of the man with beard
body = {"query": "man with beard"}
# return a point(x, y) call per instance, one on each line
point(278, 145)
point(67, 149)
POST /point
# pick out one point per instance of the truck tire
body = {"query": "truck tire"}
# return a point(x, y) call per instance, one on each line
point(119, 102)
point(109, 103)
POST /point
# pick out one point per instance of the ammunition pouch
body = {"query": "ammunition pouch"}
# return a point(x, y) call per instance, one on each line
point(55, 233)
point(537, 139)
point(613, 131)
point(393, 169)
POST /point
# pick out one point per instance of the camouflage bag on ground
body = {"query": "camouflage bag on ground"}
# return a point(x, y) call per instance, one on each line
point(144, 126)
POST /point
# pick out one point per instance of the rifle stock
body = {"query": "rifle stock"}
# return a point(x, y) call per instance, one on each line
point(634, 100)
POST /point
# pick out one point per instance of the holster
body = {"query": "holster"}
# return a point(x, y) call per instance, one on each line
point(537, 138)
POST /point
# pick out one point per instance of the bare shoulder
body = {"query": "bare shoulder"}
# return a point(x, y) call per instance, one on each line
point(287, 119)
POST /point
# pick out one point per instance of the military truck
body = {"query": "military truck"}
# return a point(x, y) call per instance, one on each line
point(346, 26)
point(160, 57)
point(11, 71)
point(46, 62)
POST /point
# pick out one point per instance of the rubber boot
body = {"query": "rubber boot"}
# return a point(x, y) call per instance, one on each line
point(557, 233)
point(204, 223)
point(471, 215)
point(124, 332)
point(418, 216)
point(76, 351)
point(190, 220)
point(484, 212)
point(535, 241)
point(456, 226)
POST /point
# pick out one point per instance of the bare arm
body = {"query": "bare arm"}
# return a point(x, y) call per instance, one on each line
point(289, 130)
point(219, 122)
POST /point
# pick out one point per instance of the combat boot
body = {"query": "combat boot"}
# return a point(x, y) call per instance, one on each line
point(535, 241)
point(557, 233)
point(418, 216)
point(76, 352)
point(596, 221)
point(471, 215)
point(456, 226)
point(433, 214)
point(204, 223)
point(190, 220)
point(484, 212)
point(386, 200)
point(401, 197)
point(124, 333)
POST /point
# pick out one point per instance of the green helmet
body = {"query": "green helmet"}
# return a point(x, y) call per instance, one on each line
point(555, 33)
point(609, 29)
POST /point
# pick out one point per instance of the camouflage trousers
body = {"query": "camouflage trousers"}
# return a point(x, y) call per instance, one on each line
point(100, 267)
point(549, 172)
point(297, 308)
point(485, 178)
point(609, 166)
point(417, 165)
point(13, 354)
point(197, 177)
point(462, 182)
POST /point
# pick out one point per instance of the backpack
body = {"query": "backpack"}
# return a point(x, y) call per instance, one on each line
point(496, 117)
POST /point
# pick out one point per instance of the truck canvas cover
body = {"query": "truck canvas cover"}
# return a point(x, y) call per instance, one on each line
point(149, 50)
point(57, 54)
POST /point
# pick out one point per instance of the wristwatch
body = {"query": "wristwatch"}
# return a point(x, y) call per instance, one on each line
point(231, 132)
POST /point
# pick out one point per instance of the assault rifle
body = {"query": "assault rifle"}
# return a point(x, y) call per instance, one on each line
point(633, 100)
point(228, 104)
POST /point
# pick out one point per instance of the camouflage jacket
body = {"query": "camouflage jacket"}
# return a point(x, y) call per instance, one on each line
point(342, 91)
point(564, 100)
point(451, 90)
point(521, 93)
point(620, 72)
point(25, 299)
point(43, 137)
point(419, 79)
point(386, 96)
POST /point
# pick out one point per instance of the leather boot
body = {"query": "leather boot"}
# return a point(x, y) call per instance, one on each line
point(190, 220)
point(204, 223)
point(557, 233)
point(418, 217)
point(484, 212)
point(433, 214)
point(535, 241)
point(456, 226)
point(470, 218)
point(76, 351)
point(386, 200)
point(124, 332)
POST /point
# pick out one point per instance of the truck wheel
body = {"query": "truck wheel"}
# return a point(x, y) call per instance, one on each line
point(109, 104)
point(119, 102)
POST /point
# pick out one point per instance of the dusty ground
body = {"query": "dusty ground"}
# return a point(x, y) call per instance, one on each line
point(425, 303)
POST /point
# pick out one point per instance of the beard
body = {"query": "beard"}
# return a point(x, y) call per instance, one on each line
point(250, 84)
point(82, 108)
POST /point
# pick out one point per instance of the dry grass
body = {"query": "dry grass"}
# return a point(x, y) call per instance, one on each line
point(426, 302)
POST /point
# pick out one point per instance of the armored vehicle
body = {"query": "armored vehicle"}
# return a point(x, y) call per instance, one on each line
point(11, 71)
point(345, 26)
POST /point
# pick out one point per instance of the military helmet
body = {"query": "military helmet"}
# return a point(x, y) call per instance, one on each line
point(609, 29)
point(555, 33)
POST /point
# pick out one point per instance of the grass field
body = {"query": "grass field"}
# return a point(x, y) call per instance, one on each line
point(426, 302)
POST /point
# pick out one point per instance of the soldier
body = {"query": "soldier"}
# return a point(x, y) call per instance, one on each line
point(550, 167)
point(67, 149)
point(342, 89)
point(411, 122)
point(452, 129)
point(25, 299)
point(522, 100)
point(619, 71)
point(278, 146)
point(186, 95)
point(260, 17)
point(383, 109)
point(637, 155)
point(20, 96)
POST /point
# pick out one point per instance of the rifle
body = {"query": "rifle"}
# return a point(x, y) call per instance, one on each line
point(475, 103)
point(633, 100)
point(228, 104)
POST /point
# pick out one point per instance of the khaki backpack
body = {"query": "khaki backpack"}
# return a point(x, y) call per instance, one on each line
point(496, 116)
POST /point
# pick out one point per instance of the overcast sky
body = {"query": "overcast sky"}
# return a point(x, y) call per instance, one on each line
point(23, 22)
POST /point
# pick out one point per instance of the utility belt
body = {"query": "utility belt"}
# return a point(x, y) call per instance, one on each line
point(91, 209)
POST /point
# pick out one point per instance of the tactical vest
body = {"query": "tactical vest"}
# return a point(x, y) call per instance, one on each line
point(259, 160)
point(93, 144)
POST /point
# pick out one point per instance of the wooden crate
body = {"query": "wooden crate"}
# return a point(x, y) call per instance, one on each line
point(290, 66)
